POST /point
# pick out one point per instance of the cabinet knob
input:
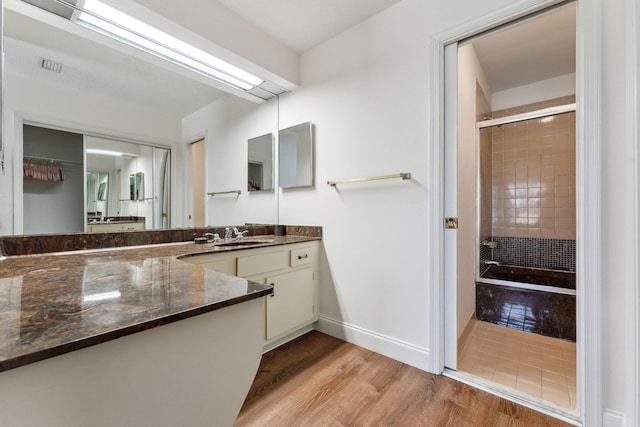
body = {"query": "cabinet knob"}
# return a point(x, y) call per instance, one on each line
point(303, 256)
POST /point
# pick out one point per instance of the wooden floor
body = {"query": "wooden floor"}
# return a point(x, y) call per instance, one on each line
point(318, 380)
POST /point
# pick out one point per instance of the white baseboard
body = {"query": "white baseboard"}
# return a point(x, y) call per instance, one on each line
point(613, 419)
point(399, 350)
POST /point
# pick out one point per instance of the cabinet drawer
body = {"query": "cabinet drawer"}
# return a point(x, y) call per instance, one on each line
point(226, 266)
point(223, 264)
point(100, 228)
point(300, 256)
point(261, 263)
point(134, 226)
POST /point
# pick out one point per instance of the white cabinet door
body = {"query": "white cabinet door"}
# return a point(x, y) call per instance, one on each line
point(291, 304)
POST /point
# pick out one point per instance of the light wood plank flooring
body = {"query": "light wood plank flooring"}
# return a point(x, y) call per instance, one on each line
point(318, 380)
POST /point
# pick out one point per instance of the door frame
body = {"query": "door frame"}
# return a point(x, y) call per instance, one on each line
point(187, 183)
point(588, 210)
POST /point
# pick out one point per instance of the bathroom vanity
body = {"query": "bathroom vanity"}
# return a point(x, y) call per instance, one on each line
point(164, 334)
point(290, 269)
point(111, 224)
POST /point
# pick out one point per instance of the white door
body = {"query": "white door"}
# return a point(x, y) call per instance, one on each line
point(196, 189)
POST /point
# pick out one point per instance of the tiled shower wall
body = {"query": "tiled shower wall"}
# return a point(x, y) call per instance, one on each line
point(533, 175)
point(527, 189)
point(548, 254)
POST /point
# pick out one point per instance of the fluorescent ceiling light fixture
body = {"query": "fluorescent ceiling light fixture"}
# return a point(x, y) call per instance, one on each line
point(104, 152)
point(102, 296)
point(105, 19)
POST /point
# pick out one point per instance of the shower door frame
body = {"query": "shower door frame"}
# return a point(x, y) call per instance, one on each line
point(588, 174)
point(514, 118)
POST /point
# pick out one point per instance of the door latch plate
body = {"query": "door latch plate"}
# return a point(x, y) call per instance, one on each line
point(451, 223)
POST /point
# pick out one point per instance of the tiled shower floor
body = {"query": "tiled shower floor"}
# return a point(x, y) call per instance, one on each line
point(542, 367)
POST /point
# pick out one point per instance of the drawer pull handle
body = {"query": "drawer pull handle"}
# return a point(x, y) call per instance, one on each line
point(303, 256)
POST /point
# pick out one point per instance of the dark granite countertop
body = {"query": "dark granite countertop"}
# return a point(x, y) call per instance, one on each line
point(51, 304)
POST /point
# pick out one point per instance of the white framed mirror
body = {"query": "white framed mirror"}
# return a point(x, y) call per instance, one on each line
point(295, 148)
point(97, 192)
point(260, 170)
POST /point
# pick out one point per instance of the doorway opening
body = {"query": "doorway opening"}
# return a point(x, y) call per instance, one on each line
point(196, 158)
point(523, 332)
point(515, 189)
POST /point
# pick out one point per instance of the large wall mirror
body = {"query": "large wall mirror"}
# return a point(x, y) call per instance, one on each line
point(62, 76)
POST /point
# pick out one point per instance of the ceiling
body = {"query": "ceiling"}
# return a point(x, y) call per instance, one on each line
point(303, 24)
point(535, 50)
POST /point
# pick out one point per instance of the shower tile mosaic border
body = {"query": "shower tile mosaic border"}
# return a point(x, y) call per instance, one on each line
point(553, 254)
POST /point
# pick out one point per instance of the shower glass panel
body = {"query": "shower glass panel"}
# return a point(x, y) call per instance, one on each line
point(161, 185)
point(526, 190)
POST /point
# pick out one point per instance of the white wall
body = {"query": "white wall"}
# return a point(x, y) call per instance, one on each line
point(366, 92)
point(556, 87)
point(227, 125)
point(29, 99)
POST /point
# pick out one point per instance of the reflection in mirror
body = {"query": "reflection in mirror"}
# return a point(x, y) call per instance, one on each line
point(260, 171)
point(90, 87)
point(97, 188)
point(52, 205)
point(136, 186)
point(296, 156)
point(58, 199)
point(63, 75)
point(132, 198)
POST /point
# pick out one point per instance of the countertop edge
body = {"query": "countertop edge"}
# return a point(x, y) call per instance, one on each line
point(89, 341)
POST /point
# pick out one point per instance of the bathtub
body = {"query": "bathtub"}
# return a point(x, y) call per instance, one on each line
point(529, 299)
point(563, 282)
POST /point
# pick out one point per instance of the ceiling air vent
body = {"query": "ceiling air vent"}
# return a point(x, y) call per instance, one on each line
point(50, 65)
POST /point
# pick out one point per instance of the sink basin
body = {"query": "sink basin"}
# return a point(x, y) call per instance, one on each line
point(245, 242)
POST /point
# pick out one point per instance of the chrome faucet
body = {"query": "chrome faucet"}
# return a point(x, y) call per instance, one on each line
point(490, 243)
point(489, 262)
point(228, 234)
point(240, 234)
